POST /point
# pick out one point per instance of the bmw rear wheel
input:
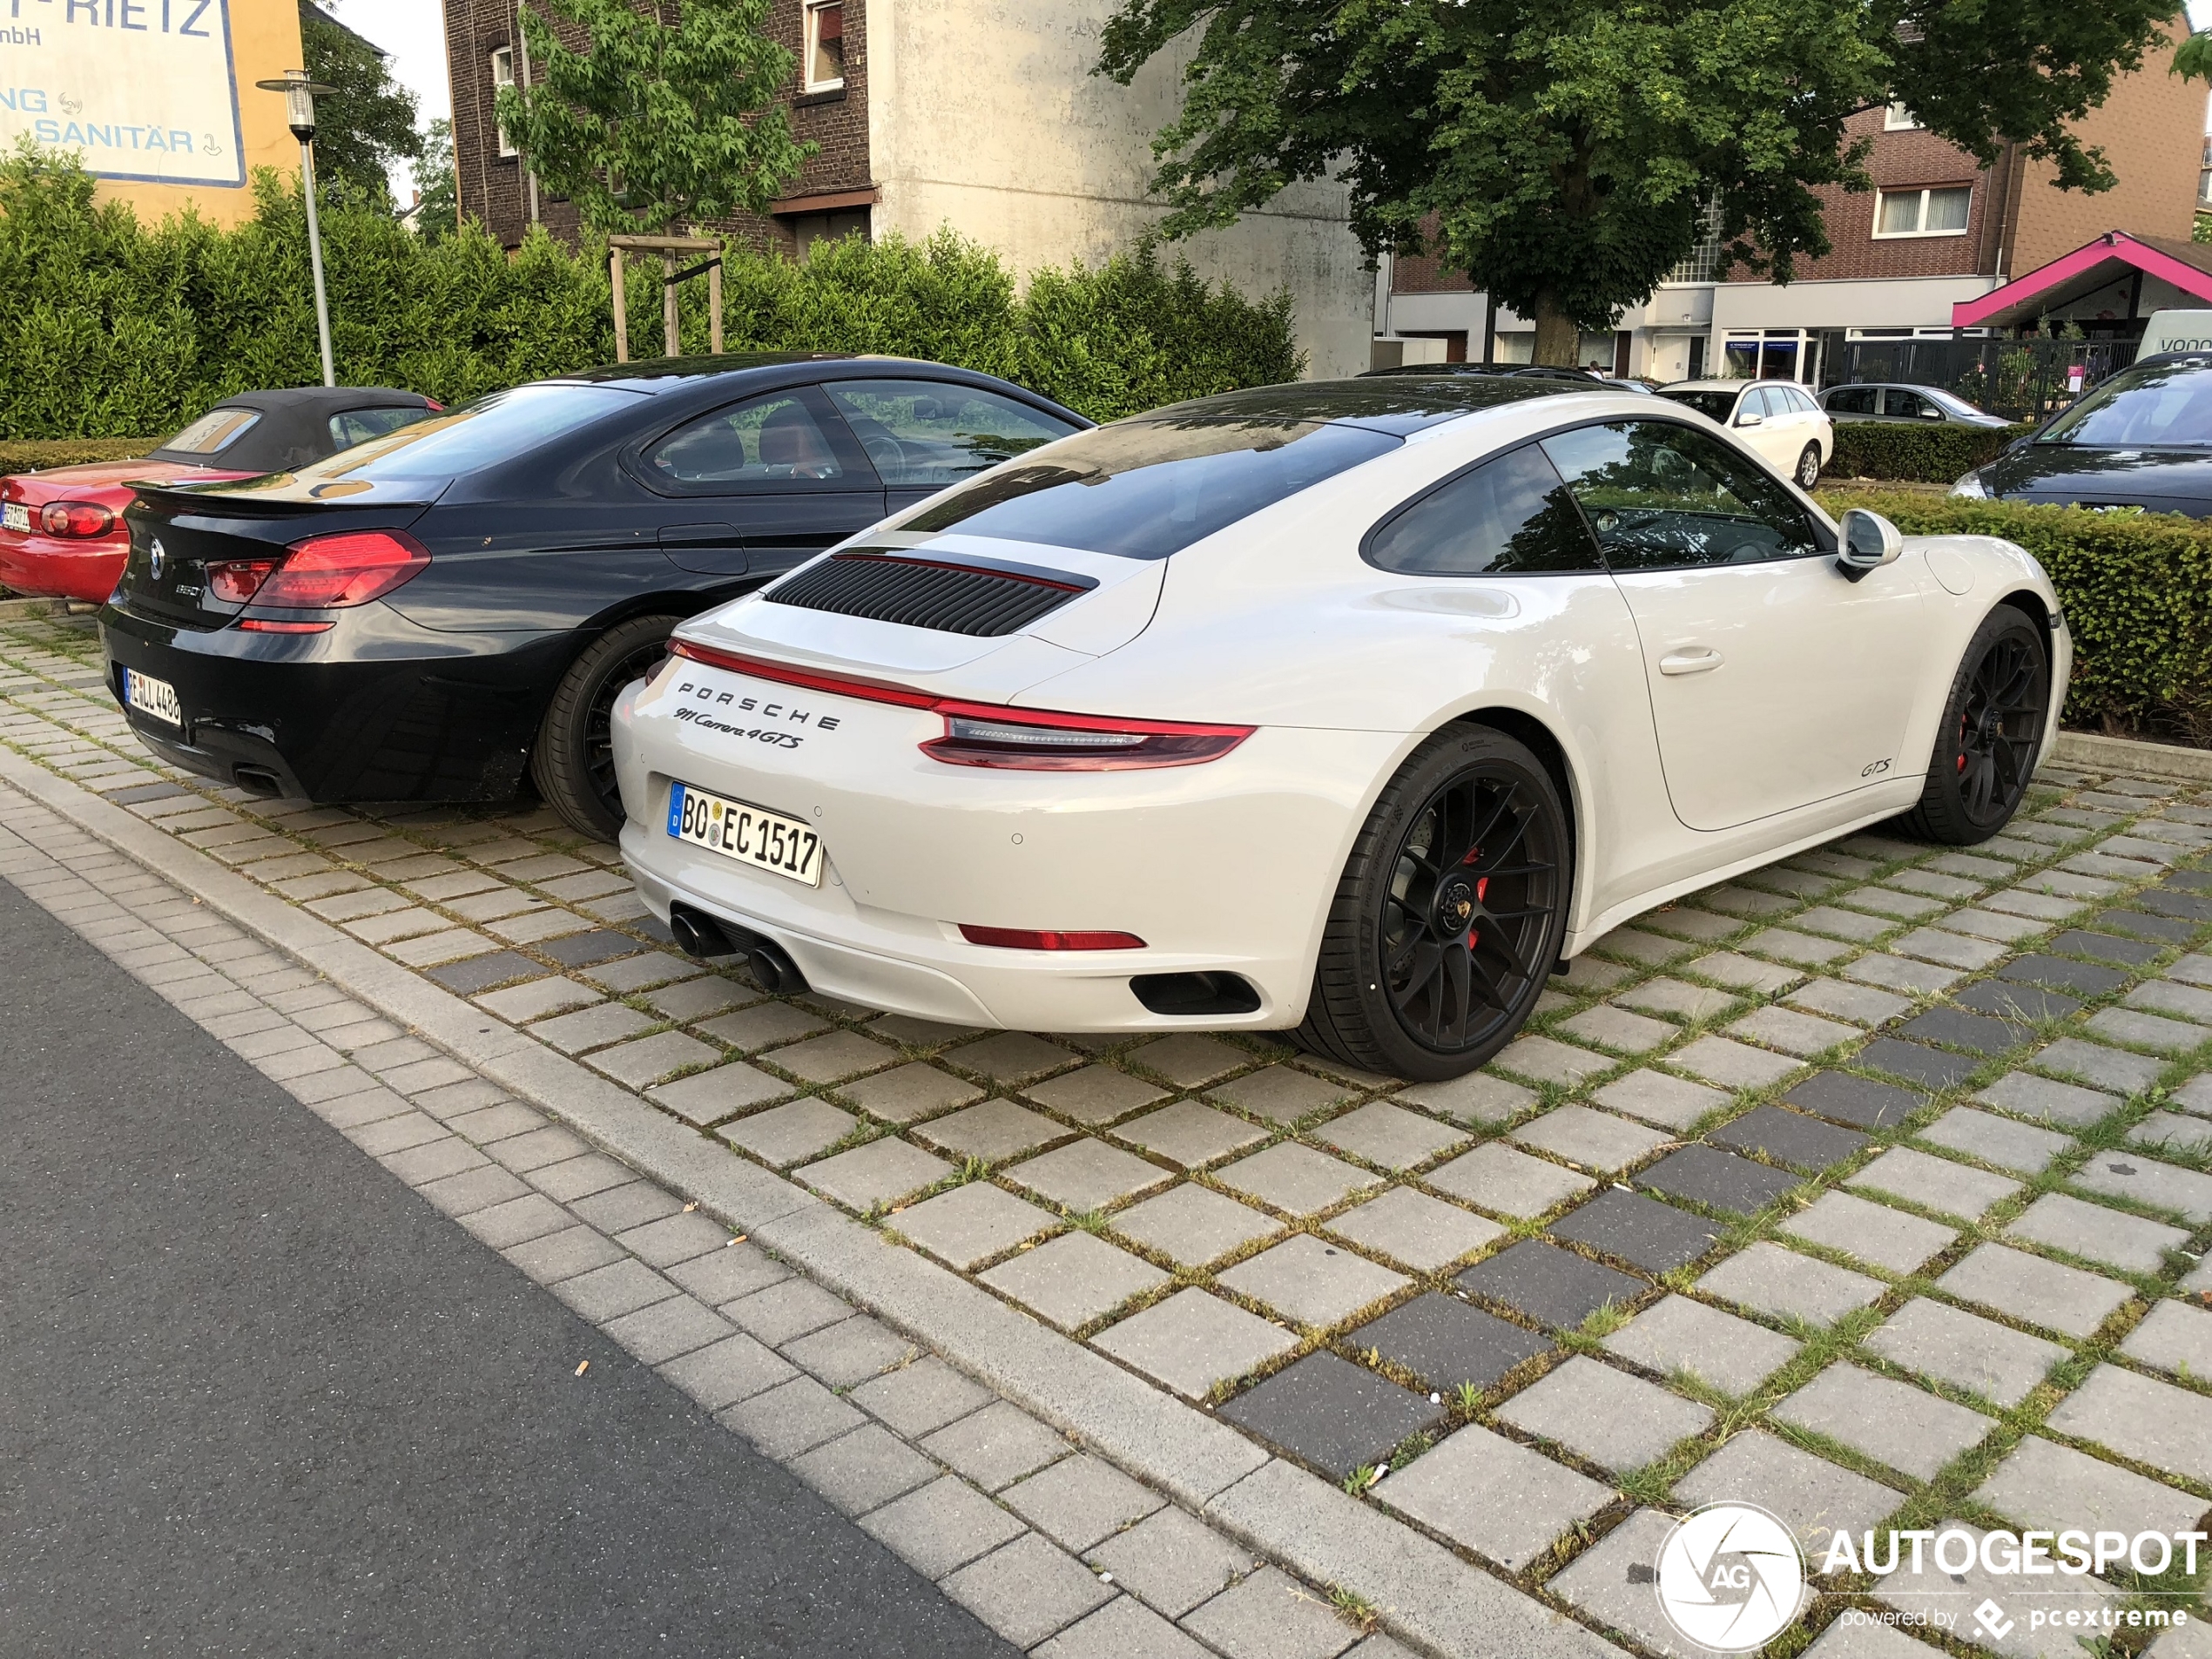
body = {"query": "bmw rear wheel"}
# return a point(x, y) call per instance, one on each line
point(1992, 729)
point(573, 763)
point(1808, 467)
point(1449, 915)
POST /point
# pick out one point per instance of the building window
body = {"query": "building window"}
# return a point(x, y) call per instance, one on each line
point(503, 74)
point(1898, 118)
point(1703, 263)
point(1922, 212)
point(824, 45)
point(2204, 179)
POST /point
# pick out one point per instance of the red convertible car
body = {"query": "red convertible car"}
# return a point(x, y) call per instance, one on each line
point(61, 531)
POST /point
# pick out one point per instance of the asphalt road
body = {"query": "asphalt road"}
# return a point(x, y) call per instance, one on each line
point(257, 1398)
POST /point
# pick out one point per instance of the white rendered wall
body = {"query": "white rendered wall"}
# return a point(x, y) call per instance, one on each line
point(985, 115)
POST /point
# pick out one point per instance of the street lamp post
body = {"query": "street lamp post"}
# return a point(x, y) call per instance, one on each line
point(299, 94)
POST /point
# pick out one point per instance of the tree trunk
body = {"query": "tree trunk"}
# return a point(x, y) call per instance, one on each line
point(1559, 341)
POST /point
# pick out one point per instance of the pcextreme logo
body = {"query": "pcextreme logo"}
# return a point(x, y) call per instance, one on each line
point(1731, 1577)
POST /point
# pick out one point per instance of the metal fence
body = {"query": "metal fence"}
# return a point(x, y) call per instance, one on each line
point(2022, 380)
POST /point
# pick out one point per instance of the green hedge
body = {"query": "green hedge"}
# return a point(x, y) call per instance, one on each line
point(35, 454)
point(2137, 589)
point(1932, 454)
point(113, 328)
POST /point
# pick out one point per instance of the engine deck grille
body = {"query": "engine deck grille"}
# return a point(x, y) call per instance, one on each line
point(924, 593)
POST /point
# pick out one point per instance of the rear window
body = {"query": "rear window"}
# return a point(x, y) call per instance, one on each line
point(1716, 404)
point(359, 426)
point(1144, 490)
point(493, 429)
point(2163, 404)
point(213, 433)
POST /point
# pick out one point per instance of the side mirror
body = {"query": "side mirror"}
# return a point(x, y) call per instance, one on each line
point(1931, 415)
point(1751, 417)
point(1867, 542)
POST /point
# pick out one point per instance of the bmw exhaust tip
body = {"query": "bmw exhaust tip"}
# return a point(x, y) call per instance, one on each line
point(701, 935)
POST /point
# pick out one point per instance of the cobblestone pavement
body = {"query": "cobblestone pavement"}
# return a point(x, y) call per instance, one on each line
point(1873, 1188)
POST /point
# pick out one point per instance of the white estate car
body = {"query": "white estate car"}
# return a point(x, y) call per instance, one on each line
point(1352, 707)
point(1778, 419)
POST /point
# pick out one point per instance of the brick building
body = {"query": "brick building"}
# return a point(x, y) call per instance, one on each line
point(986, 119)
point(1910, 257)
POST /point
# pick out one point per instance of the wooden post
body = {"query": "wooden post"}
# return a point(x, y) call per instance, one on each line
point(714, 307)
point(621, 308)
point(669, 316)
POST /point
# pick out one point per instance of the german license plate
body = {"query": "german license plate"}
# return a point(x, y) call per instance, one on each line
point(151, 696)
point(782, 846)
point(15, 517)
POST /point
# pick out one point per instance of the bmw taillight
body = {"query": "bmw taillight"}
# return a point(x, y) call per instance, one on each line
point(331, 572)
point(236, 581)
point(76, 519)
point(985, 734)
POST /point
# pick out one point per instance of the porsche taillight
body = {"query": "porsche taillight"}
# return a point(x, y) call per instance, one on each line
point(987, 734)
point(331, 572)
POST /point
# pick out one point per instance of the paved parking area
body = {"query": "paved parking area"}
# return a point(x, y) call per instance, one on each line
point(1872, 1187)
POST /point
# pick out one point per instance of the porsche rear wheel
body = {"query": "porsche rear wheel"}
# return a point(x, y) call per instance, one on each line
point(573, 762)
point(1449, 915)
point(1808, 467)
point(1990, 731)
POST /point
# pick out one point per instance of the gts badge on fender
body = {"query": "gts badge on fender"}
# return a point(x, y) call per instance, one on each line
point(1874, 769)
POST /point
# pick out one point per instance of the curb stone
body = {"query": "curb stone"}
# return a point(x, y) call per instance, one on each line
point(1427, 1595)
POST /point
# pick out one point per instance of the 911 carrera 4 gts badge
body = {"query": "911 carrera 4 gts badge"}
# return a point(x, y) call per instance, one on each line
point(157, 559)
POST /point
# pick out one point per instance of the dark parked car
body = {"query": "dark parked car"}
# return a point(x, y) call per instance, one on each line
point(1515, 371)
point(61, 531)
point(2142, 439)
point(439, 612)
point(1922, 405)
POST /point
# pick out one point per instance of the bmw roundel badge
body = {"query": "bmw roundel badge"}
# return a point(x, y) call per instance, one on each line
point(157, 559)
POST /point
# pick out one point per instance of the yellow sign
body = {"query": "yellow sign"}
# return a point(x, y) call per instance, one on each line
point(155, 97)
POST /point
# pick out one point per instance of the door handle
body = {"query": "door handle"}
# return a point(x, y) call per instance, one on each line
point(1695, 659)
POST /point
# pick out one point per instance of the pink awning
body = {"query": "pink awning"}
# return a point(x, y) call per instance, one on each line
point(2085, 270)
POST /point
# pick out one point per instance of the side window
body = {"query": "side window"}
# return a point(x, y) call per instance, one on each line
point(1775, 402)
point(351, 426)
point(933, 432)
point(1661, 497)
point(1852, 400)
point(1511, 516)
point(1912, 405)
point(773, 441)
point(1801, 401)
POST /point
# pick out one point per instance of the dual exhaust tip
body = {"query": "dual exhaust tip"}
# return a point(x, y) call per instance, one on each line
point(699, 934)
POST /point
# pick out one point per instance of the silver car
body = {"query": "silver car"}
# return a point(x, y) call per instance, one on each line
point(1884, 401)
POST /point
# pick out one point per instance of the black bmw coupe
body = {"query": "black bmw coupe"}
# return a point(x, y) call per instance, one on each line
point(436, 614)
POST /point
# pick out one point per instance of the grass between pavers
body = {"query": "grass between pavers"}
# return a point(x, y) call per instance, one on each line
point(1548, 1095)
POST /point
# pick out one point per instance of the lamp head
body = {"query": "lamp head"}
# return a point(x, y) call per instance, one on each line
point(299, 95)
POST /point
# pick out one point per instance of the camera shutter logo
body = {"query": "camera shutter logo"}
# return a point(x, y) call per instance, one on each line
point(1731, 1577)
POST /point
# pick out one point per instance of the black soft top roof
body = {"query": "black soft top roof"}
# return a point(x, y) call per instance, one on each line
point(294, 426)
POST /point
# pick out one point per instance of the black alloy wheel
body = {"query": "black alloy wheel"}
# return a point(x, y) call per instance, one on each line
point(573, 765)
point(1450, 913)
point(1992, 729)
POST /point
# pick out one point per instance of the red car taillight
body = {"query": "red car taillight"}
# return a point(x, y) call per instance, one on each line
point(1033, 939)
point(984, 734)
point(330, 572)
point(82, 519)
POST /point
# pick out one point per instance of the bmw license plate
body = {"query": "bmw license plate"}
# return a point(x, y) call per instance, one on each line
point(749, 834)
point(151, 696)
point(15, 517)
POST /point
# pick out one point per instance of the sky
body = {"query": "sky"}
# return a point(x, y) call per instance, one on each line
point(413, 32)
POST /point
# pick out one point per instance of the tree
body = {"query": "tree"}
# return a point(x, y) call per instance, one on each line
point(368, 122)
point(437, 208)
point(655, 122)
point(1569, 151)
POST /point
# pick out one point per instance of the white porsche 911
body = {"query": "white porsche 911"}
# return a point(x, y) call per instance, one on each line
point(1350, 707)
